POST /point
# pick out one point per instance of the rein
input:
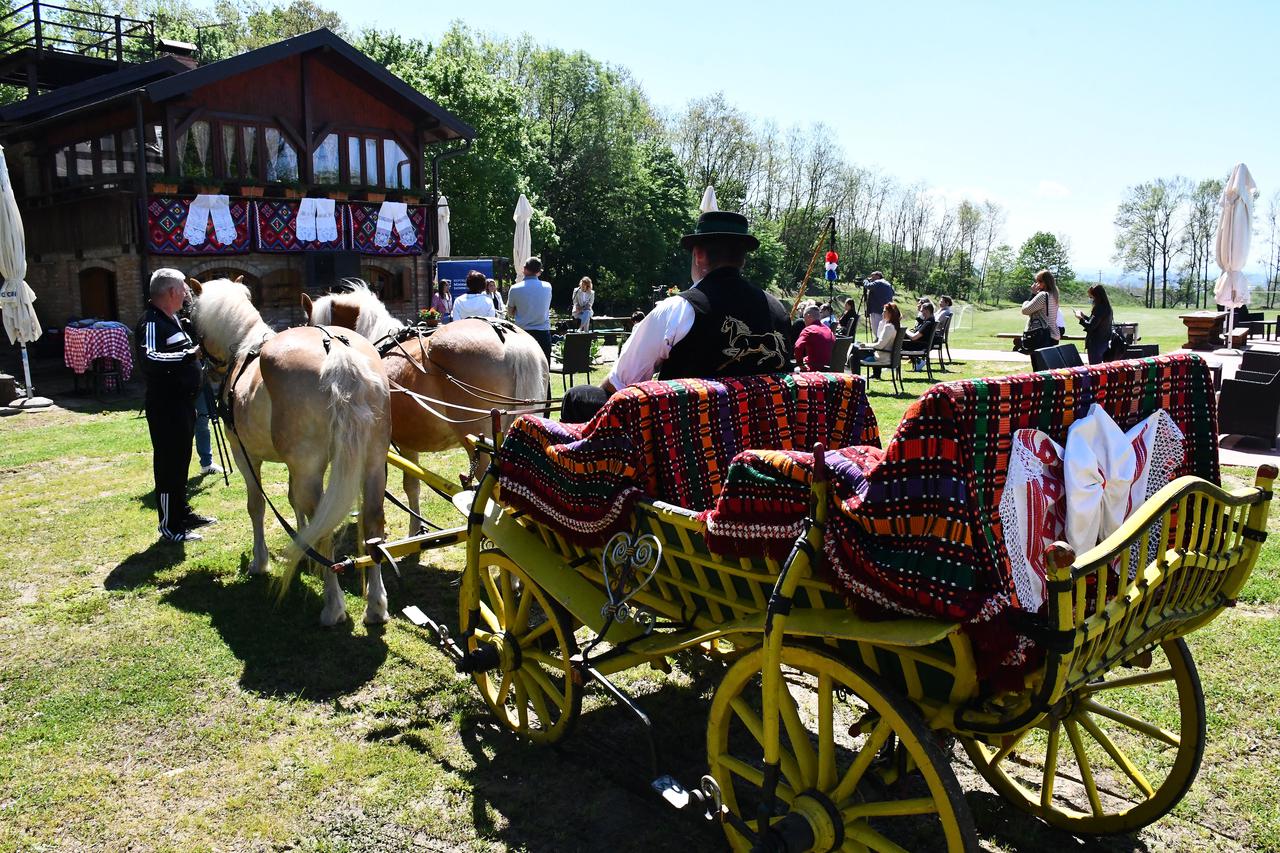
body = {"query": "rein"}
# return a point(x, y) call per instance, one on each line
point(225, 409)
point(393, 344)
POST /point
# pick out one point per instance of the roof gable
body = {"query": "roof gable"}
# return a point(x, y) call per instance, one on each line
point(450, 126)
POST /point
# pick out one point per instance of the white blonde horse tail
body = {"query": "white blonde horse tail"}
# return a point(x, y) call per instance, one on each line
point(529, 369)
point(358, 398)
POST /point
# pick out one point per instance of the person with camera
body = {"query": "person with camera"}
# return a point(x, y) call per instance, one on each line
point(879, 292)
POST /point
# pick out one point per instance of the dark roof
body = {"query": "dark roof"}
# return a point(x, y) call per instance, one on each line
point(451, 127)
point(69, 99)
point(167, 77)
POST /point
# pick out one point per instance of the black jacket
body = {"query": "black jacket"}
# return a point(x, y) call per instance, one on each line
point(738, 330)
point(167, 355)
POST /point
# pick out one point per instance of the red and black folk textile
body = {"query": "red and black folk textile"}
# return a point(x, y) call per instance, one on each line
point(671, 440)
point(166, 217)
point(362, 224)
point(916, 529)
point(275, 228)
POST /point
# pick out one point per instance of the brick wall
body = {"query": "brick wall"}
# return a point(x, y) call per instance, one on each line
point(275, 280)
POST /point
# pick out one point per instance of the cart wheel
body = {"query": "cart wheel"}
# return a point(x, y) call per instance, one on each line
point(840, 735)
point(530, 685)
point(1115, 755)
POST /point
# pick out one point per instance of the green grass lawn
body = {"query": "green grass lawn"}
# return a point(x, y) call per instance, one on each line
point(156, 698)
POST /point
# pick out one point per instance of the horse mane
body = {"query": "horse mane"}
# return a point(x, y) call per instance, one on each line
point(224, 313)
point(373, 320)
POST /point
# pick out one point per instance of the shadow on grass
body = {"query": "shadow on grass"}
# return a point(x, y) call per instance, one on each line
point(284, 649)
point(1000, 821)
point(141, 568)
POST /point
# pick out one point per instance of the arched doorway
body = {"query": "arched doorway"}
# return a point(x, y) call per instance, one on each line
point(387, 284)
point(98, 294)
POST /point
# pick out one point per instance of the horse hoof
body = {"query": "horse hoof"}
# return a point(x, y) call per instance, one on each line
point(329, 620)
point(377, 617)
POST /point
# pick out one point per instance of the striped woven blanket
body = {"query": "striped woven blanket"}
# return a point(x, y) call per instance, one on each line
point(673, 441)
point(916, 528)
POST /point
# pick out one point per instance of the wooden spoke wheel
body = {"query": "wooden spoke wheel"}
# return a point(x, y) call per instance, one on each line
point(847, 749)
point(527, 639)
point(1115, 755)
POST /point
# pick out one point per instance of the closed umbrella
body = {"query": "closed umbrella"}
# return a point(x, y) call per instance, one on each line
point(522, 248)
point(708, 200)
point(1232, 289)
point(16, 298)
point(442, 228)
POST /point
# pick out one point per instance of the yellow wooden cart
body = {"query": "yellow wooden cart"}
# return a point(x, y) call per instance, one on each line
point(831, 732)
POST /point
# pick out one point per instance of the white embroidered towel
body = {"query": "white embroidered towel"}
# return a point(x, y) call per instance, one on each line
point(305, 227)
point(193, 230)
point(326, 221)
point(223, 226)
point(394, 214)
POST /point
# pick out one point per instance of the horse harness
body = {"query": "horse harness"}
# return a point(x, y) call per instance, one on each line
point(224, 409)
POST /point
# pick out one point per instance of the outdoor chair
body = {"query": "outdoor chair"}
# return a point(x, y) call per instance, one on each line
point(894, 366)
point(1142, 351)
point(839, 354)
point(1260, 360)
point(107, 377)
point(575, 358)
point(926, 354)
point(1055, 357)
point(1249, 404)
point(942, 338)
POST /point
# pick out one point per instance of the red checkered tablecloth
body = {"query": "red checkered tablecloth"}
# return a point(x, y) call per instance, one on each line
point(81, 346)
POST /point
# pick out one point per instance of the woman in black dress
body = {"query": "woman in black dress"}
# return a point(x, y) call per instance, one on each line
point(1097, 325)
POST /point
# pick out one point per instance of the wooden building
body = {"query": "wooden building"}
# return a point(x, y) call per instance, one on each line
point(108, 157)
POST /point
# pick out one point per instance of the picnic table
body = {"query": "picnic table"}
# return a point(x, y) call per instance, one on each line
point(1016, 337)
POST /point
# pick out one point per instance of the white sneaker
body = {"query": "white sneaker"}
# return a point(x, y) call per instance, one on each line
point(211, 468)
point(180, 536)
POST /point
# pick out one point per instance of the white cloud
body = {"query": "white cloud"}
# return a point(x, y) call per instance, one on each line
point(1052, 189)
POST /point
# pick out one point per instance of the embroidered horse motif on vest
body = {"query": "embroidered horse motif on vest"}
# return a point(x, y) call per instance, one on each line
point(769, 347)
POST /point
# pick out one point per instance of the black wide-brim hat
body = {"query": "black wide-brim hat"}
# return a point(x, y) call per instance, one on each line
point(720, 225)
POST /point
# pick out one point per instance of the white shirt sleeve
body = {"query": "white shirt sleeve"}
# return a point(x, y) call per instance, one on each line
point(651, 341)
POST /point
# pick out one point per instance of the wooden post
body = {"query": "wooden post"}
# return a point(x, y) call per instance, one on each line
point(140, 185)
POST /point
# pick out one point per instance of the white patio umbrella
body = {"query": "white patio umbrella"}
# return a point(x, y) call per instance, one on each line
point(16, 298)
point(1232, 289)
point(522, 248)
point(442, 228)
point(708, 200)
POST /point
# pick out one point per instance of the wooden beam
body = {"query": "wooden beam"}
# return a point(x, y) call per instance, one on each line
point(325, 129)
point(308, 166)
point(193, 117)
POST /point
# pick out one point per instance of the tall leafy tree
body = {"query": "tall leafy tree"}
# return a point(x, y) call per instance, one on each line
point(1041, 251)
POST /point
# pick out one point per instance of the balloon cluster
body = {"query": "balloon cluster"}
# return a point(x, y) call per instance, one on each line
point(832, 259)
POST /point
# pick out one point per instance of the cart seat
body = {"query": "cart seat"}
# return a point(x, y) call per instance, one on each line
point(671, 441)
point(916, 528)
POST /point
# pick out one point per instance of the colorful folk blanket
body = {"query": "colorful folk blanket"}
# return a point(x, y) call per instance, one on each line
point(275, 228)
point(917, 529)
point(362, 225)
point(166, 217)
point(672, 441)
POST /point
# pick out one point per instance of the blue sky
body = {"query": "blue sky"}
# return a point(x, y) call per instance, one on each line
point(1051, 109)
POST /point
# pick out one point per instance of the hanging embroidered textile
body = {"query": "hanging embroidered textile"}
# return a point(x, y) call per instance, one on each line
point(276, 227)
point(363, 224)
point(167, 220)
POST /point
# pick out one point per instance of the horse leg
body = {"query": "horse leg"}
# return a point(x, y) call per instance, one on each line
point(374, 524)
point(305, 488)
point(256, 505)
point(413, 492)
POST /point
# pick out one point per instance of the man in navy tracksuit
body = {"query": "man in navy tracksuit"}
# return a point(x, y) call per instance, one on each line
point(169, 362)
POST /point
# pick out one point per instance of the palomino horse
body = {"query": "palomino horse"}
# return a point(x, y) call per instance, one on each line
point(313, 399)
point(469, 363)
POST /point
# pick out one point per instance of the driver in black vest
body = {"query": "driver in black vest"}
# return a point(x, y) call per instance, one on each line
point(721, 326)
